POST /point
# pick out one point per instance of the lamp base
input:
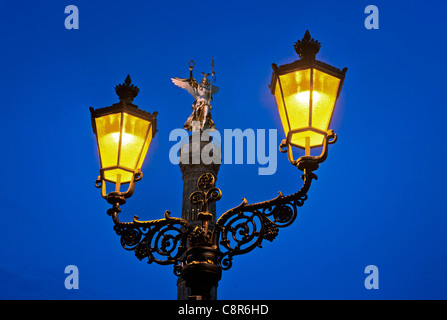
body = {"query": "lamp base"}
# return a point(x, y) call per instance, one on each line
point(115, 197)
point(201, 272)
point(308, 163)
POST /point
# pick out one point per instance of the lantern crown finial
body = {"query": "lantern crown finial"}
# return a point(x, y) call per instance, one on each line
point(307, 48)
point(128, 81)
point(127, 91)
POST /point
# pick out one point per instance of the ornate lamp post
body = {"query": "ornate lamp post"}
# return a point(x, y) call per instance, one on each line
point(198, 247)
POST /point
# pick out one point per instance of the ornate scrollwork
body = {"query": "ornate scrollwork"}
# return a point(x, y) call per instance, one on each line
point(308, 162)
point(206, 181)
point(207, 192)
point(237, 231)
point(161, 241)
point(244, 227)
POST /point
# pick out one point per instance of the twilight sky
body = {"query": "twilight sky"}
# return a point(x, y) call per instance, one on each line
point(379, 199)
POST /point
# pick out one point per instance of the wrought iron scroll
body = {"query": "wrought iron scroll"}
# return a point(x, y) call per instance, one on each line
point(237, 231)
point(162, 241)
point(244, 227)
point(207, 192)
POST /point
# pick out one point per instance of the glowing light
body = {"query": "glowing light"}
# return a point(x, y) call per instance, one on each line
point(123, 142)
point(305, 104)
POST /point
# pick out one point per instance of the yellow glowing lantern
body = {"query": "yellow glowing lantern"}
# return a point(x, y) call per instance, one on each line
point(123, 135)
point(306, 92)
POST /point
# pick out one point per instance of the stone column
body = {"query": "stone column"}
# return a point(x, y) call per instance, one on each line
point(192, 167)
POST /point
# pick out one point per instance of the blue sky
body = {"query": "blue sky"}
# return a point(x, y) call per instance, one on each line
point(379, 199)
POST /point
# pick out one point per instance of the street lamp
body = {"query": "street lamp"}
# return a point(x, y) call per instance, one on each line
point(123, 135)
point(306, 92)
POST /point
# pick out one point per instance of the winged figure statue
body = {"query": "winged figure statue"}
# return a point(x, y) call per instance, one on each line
point(202, 92)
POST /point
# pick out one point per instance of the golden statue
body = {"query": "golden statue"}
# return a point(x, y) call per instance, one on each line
point(202, 92)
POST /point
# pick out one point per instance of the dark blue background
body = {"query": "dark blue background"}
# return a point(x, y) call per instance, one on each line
point(380, 197)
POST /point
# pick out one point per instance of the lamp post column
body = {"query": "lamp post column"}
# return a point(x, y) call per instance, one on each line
point(192, 167)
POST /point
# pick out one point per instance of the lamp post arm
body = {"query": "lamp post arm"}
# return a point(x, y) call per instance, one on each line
point(243, 228)
point(162, 241)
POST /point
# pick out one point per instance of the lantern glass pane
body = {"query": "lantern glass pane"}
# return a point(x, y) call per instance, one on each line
point(146, 147)
point(134, 134)
point(281, 110)
point(325, 88)
point(108, 134)
point(299, 138)
point(112, 175)
point(296, 91)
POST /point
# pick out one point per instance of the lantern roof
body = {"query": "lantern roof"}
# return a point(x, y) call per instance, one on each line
point(306, 48)
point(126, 93)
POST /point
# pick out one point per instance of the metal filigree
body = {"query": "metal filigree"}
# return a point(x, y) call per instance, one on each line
point(200, 254)
point(244, 227)
point(161, 241)
point(202, 92)
point(117, 196)
point(309, 163)
point(207, 192)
